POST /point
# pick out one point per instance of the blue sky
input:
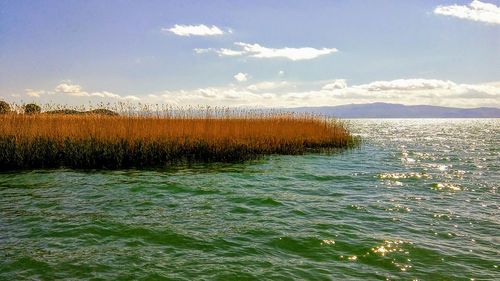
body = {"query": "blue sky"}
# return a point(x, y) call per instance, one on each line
point(251, 53)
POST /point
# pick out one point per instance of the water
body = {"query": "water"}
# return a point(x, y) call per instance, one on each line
point(418, 200)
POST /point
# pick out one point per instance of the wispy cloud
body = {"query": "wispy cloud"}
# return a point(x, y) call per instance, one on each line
point(475, 11)
point(221, 52)
point(194, 30)
point(258, 51)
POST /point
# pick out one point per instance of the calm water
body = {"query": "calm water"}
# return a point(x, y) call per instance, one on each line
point(418, 200)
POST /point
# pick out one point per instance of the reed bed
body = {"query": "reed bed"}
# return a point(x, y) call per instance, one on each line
point(156, 139)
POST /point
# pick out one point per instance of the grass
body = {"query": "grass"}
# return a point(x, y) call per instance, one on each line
point(153, 139)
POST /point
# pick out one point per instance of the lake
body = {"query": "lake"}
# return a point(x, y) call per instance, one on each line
point(417, 200)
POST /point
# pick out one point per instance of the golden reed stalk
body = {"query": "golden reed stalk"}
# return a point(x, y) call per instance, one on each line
point(99, 141)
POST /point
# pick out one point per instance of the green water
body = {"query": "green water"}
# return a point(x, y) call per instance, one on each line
point(418, 200)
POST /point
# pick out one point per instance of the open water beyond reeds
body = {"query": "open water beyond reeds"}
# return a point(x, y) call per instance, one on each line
point(418, 200)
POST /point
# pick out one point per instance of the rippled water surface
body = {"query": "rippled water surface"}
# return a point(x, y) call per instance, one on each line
point(418, 200)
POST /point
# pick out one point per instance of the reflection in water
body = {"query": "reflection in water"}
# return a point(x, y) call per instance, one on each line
point(389, 247)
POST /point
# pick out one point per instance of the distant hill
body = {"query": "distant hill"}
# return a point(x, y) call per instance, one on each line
point(389, 110)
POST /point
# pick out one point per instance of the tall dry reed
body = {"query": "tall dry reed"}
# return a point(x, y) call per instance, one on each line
point(140, 140)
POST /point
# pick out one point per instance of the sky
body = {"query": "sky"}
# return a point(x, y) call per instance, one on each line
point(239, 53)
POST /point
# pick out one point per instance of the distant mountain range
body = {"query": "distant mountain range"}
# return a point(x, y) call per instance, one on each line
point(389, 110)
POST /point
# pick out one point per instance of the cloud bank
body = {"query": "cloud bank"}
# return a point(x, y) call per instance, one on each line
point(336, 92)
point(279, 94)
point(258, 51)
point(475, 11)
point(194, 30)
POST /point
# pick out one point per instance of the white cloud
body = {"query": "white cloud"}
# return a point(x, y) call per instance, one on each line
point(221, 52)
point(130, 97)
point(208, 92)
point(212, 96)
point(103, 94)
point(408, 84)
point(203, 51)
point(307, 53)
point(194, 30)
point(475, 11)
point(34, 93)
point(281, 73)
point(68, 88)
point(268, 85)
point(229, 52)
point(258, 51)
point(336, 84)
point(241, 77)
